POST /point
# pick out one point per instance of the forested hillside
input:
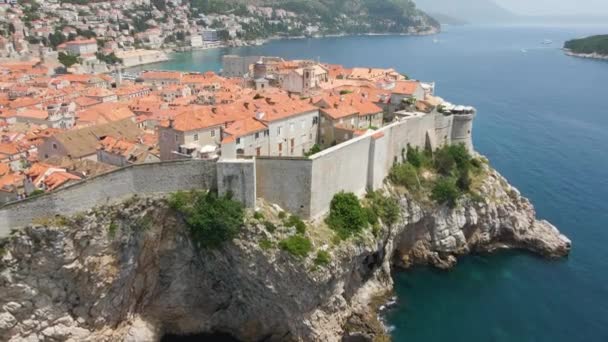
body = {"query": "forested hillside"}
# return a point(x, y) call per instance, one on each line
point(593, 44)
point(337, 16)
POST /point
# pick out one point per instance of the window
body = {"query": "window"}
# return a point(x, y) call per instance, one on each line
point(352, 121)
point(315, 120)
point(257, 135)
point(279, 130)
point(238, 141)
point(212, 133)
point(266, 133)
point(176, 138)
point(195, 137)
point(54, 146)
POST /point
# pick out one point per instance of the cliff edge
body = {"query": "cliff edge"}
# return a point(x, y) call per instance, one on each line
point(131, 272)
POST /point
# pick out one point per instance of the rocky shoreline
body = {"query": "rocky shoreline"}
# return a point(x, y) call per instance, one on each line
point(585, 55)
point(130, 272)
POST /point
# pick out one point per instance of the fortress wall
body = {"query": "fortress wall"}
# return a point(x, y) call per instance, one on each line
point(343, 167)
point(286, 182)
point(164, 177)
point(237, 176)
point(379, 160)
point(411, 131)
point(301, 186)
point(443, 128)
point(462, 130)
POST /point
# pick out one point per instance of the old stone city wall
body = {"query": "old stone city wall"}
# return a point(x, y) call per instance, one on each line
point(303, 186)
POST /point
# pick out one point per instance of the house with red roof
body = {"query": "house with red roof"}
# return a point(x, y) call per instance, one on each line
point(80, 47)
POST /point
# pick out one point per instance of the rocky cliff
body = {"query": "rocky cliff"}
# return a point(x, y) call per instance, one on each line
point(131, 272)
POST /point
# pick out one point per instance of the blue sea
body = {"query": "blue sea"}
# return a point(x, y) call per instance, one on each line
point(542, 122)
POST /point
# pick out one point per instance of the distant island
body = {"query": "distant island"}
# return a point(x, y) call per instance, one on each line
point(589, 47)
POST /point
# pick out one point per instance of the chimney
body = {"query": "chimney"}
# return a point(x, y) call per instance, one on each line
point(247, 105)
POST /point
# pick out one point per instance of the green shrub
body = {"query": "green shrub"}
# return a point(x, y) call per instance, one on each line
point(372, 217)
point(112, 229)
point(270, 227)
point(415, 157)
point(461, 156)
point(405, 175)
point(376, 230)
point(464, 181)
point(296, 245)
point(323, 258)
point(282, 215)
point(313, 150)
point(258, 215)
point(212, 219)
point(445, 191)
point(296, 221)
point(346, 216)
point(385, 207)
point(266, 244)
point(36, 192)
point(444, 161)
point(450, 157)
point(476, 163)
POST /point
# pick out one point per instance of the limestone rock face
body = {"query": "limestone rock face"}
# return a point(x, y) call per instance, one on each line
point(131, 273)
point(500, 218)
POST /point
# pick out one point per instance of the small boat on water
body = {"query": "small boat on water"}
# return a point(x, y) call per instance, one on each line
point(547, 42)
point(524, 50)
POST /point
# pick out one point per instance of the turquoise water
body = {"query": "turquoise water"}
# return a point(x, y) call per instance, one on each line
point(542, 121)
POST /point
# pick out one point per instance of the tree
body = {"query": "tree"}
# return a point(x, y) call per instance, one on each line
point(346, 216)
point(445, 191)
point(212, 219)
point(67, 60)
point(56, 38)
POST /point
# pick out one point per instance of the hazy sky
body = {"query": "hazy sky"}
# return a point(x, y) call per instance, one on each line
point(556, 7)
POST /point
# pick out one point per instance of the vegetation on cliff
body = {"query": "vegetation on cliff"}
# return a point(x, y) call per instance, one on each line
point(589, 45)
point(443, 175)
point(212, 219)
point(348, 216)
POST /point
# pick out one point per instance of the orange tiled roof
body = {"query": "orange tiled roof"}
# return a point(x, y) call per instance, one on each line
point(57, 179)
point(4, 169)
point(104, 113)
point(406, 87)
point(340, 111)
point(244, 127)
point(9, 149)
point(33, 113)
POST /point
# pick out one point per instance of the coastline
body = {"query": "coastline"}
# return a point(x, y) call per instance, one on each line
point(262, 41)
point(594, 55)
